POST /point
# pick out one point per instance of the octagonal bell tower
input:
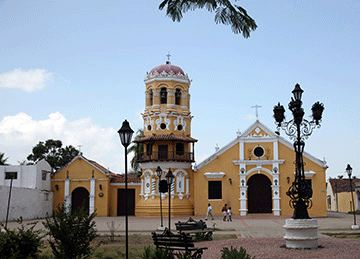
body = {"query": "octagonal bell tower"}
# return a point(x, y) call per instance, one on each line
point(167, 142)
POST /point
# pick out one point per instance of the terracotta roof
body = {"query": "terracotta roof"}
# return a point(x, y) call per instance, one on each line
point(102, 167)
point(166, 137)
point(342, 185)
point(132, 178)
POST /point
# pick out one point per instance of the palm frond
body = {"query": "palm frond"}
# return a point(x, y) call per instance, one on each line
point(225, 13)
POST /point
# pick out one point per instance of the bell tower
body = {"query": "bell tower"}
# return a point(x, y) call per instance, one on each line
point(167, 142)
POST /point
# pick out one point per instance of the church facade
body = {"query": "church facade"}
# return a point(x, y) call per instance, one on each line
point(251, 174)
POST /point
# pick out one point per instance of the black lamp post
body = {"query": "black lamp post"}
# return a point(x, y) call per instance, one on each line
point(299, 129)
point(169, 179)
point(349, 172)
point(12, 175)
point(158, 173)
point(125, 133)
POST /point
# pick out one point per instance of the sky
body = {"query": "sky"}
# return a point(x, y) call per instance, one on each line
point(74, 71)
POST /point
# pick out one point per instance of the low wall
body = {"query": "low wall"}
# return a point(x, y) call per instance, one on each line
point(25, 202)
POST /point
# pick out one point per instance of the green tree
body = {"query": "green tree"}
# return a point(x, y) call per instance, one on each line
point(53, 152)
point(71, 234)
point(3, 159)
point(225, 13)
point(135, 149)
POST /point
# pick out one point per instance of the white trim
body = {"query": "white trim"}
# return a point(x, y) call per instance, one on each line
point(217, 154)
point(309, 173)
point(258, 162)
point(211, 175)
point(123, 184)
point(165, 165)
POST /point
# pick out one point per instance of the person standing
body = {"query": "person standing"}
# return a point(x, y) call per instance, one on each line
point(229, 214)
point(209, 212)
point(224, 211)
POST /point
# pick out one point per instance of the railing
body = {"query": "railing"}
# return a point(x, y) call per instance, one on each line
point(166, 156)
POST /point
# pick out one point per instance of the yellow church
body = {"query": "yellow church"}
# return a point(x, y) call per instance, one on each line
point(252, 173)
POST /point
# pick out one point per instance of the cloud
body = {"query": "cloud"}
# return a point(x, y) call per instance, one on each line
point(20, 133)
point(28, 80)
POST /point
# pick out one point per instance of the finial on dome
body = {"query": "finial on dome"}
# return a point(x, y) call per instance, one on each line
point(168, 56)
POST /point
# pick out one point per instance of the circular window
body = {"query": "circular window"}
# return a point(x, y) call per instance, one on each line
point(258, 152)
point(179, 127)
point(149, 127)
point(162, 126)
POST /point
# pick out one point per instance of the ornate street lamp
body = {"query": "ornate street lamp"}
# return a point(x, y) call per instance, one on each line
point(158, 173)
point(169, 179)
point(299, 129)
point(349, 172)
point(125, 133)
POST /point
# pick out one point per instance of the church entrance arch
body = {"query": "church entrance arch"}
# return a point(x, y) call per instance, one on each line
point(80, 197)
point(259, 194)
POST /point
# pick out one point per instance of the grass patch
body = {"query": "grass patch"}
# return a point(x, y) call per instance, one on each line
point(106, 249)
point(337, 229)
point(224, 237)
point(344, 235)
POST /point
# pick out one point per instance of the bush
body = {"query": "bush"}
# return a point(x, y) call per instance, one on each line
point(71, 233)
point(233, 253)
point(20, 243)
point(155, 253)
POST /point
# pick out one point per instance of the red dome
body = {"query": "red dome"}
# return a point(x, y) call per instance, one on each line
point(168, 68)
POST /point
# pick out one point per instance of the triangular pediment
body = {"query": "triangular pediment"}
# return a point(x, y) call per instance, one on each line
point(93, 164)
point(258, 130)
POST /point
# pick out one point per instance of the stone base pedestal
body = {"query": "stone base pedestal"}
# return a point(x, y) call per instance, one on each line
point(301, 233)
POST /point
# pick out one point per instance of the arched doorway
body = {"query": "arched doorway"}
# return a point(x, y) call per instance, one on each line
point(80, 197)
point(259, 194)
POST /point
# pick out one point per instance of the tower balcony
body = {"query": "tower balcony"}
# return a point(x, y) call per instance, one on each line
point(166, 156)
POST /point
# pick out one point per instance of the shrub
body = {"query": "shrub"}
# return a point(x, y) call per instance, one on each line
point(155, 253)
point(233, 253)
point(71, 233)
point(21, 243)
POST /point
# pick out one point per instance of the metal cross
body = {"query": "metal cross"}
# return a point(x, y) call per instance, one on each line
point(256, 107)
point(168, 55)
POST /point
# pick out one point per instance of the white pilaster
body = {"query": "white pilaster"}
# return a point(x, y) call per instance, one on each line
point(92, 196)
point(67, 200)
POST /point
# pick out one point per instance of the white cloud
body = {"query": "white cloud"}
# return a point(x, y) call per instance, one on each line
point(27, 80)
point(20, 133)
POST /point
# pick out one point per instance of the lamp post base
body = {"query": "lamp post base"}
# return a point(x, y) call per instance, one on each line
point(301, 233)
point(161, 228)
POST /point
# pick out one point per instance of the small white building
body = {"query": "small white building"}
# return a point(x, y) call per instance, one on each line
point(31, 195)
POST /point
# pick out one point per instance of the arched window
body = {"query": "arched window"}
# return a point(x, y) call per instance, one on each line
point(177, 96)
point(163, 95)
point(151, 96)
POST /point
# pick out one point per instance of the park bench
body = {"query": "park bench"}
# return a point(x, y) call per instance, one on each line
point(196, 229)
point(177, 242)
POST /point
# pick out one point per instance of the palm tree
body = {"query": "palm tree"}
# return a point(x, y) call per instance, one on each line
point(3, 159)
point(225, 13)
point(136, 148)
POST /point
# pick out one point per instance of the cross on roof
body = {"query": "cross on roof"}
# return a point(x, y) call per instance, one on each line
point(256, 108)
point(168, 55)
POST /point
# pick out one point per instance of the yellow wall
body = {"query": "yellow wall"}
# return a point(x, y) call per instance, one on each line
point(230, 192)
point(80, 173)
point(345, 202)
point(287, 169)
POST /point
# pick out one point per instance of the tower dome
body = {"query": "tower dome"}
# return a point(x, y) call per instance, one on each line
point(167, 68)
point(168, 71)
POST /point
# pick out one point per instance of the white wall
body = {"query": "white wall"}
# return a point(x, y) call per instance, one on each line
point(31, 196)
point(25, 202)
point(28, 176)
